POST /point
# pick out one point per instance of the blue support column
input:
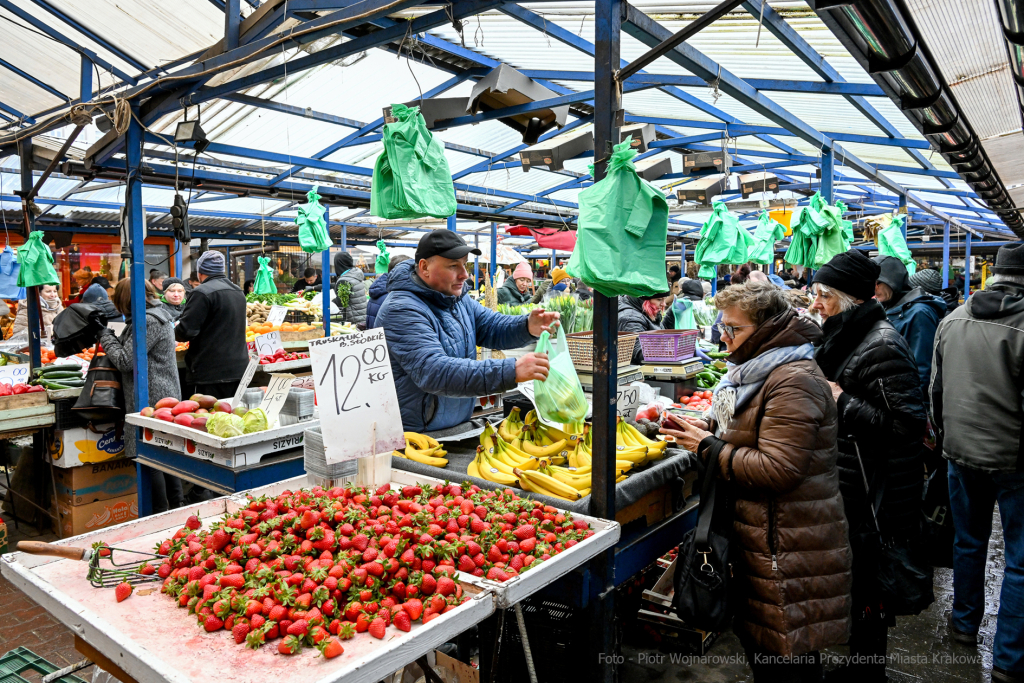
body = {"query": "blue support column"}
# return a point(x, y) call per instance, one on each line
point(906, 217)
point(451, 223)
point(967, 265)
point(32, 298)
point(85, 80)
point(493, 265)
point(232, 24)
point(230, 266)
point(178, 266)
point(714, 282)
point(945, 255)
point(828, 158)
point(325, 277)
point(476, 263)
point(133, 202)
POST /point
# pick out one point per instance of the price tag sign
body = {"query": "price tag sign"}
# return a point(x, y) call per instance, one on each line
point(355, 393)
point(276, 315)
point(250, 370)
point(277, 392)
point(268, 344)
point(628, 401)
point(13, 374)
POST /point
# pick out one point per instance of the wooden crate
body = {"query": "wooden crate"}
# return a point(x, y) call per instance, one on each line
point(36, 398)
point(655, 506)
point(302, 336)
point(25, 412)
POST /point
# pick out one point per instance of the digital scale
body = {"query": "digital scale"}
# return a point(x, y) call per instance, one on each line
point(673, 371)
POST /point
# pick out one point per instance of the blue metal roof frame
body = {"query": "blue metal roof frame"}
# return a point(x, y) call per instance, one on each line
point(320, 52)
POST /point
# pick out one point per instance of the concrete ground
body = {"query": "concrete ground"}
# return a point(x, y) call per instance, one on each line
point(920, 648)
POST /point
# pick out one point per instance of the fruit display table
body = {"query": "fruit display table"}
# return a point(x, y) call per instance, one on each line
point(151, 640)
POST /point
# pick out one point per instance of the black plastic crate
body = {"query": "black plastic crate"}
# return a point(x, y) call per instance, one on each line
point(557, 634)
point(64, 417)
point(299, 317)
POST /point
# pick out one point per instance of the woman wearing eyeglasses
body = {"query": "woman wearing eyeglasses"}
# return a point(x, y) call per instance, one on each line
point(774, 418)
point(877, 388)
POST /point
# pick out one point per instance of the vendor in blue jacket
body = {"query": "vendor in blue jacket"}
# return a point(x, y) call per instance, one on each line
point(433, 329)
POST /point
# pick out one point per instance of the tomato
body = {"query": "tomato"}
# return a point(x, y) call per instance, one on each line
point(685, 400)
point(708, 394)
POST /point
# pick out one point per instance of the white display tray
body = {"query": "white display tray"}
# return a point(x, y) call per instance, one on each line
point(234, 452)
point(285, 366)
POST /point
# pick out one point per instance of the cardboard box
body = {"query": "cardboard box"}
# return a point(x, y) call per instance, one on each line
point(642, 134)
point(706, 161)
point(652, 169)
point(555, 152)
point(752, 183)
point(434, 109)
point(505, 87)
point(79, 519)
point(81, 446)
point(702, 190)
point(97, 481)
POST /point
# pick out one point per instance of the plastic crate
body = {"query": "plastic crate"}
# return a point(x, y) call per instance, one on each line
point(557, 633)
point(299, 317)
point(21, 660)
point(669, 346)
point(581, 348)
point(64, 417)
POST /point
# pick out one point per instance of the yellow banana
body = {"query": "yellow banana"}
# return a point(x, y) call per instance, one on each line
point(420, 457)
point(578, 483)
point(487, 439)
point(530, 418)
point(507, 430)
point(545, 481)
point(584, 493)
point(633, 435)
point(491, 471)
point(505, 456)
point(545, 451)
point(421, 442)
point(534, 487)
point(473, 469)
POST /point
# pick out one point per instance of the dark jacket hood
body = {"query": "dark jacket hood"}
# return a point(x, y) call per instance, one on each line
point(894, 273)
point(342, 262)
point(997, 301)
point(692, 289)
point(786, 329)
point(404, 279)
point(918, 296)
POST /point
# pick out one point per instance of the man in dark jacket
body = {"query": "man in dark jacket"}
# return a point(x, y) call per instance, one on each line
point(433, 329)
point(213, 323)
point(378, 292)
point(309, 278)
point(913, 312)
point(977, 408)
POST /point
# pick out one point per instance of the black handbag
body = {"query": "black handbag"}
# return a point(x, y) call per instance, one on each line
point(102, 397)
point(904, 576)
point(703, 570)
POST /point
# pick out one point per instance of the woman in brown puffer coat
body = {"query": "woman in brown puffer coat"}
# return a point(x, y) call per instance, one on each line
point(790, 546)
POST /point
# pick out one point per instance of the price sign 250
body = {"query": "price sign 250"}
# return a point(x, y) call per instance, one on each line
point(343, 372)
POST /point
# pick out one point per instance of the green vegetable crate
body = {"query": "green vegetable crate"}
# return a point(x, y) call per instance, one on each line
point(234, 452)
point(21, 660)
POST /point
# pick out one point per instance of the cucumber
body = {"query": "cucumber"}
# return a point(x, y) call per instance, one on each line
point(46, 369)
point(70, 382)
point(53, 385)
point(61, 374)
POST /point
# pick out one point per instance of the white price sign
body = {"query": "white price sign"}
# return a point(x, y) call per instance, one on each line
point(355, 393)
point(627, 401)
point(250, 370)
point(13, 374)
point(268, 344)
point(277, 393)
point(276, 315)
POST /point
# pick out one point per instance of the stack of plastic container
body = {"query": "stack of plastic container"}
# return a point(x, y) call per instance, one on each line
point(318, 471)
point(298, 407)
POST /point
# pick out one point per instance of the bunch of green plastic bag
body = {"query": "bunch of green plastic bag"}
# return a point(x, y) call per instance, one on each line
point(722, 241)
point(383, 259)
point(623, 230)
point(411, 178)
point(36, 263)
point(819, 233)
point(313, 236)
point(891, 242)
point(559, 398)
point(768, 232)
point(264, 283)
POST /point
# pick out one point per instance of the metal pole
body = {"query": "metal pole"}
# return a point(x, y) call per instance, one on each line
point(554, 260)
point(494, 251)
point(828, 158)
point(178, 266)
point(31, 293)
point(133, 201)
point(906, 216)
point(230, 264)
point(945, 255)
point(714, 282)
point(967, 266)
point(85, 80)
point(232, 24)
point(607, 112)
point(476, 262)
point(325, 278)
point(451, 223)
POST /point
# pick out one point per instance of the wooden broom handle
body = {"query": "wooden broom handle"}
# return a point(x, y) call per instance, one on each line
point(40, 548)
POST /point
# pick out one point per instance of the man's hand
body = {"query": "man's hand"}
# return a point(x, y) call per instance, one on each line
point(532, 366)
point(542, 321)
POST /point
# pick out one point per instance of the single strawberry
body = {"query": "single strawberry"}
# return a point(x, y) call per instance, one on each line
point(445, 586)
point(496, 574)
point(193, 523)
point(414, 608)
point(122, 591)
point(525, 531)
point(428, 584)
point(494, 553)
point(466, 564)
point(377, 627)
point(402, 621)
point(213, 623)
point(528, 544)
point(239, 631)
point(290, 645)
point(331, 648)
point(298, 628)
point(347, 631)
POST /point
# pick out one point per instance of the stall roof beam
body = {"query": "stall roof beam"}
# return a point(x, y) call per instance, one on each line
point(41, 25)
point(16, 114)
point(741, 129)
point(33, 80)
point(95, 37)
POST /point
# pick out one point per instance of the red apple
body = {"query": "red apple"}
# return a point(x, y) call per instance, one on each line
point(147, 412)
point(184, 419)
point(185, 407)
point(164, 414)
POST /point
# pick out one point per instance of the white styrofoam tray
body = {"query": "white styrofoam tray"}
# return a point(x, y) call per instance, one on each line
point(236, 451)
point(155, 641)
point(285, 366)
point(516, 589)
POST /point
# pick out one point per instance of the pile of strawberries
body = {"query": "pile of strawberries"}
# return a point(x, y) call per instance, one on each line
point(317, 567)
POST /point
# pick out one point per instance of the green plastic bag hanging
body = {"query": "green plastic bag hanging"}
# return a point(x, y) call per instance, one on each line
point(559, 398)
point(682, 314)
point(808, 224)
point(768, 232)
point(313, 236)
point(383, 259)
point(264, 283)
point(623, 230)
point(891, 242)
point(36, 263)
point(722, 241)
point(411, 178)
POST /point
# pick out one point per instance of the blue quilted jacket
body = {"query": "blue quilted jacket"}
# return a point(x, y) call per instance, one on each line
point(432, 338)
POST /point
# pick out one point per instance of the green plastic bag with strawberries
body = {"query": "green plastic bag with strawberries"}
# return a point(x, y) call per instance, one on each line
point(264, 283)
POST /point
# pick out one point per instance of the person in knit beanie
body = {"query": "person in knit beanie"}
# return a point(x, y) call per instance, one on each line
point(516, 290)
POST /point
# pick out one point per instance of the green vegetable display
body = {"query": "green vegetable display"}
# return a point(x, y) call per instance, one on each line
point(344, 293)
point(576, 315)
point(225, 425)
point(270, 299)
point(255, 420)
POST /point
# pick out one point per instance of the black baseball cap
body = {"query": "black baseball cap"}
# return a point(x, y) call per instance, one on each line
point(443, 242)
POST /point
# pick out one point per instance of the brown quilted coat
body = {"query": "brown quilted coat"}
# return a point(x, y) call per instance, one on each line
point(790, 543)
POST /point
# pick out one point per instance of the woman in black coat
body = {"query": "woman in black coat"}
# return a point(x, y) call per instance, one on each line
point(878, 393)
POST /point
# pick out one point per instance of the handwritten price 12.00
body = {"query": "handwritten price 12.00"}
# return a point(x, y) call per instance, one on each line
point(375, 361)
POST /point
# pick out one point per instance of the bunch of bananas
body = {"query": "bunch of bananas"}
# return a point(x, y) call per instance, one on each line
point(539, 458)
point(423, 449)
